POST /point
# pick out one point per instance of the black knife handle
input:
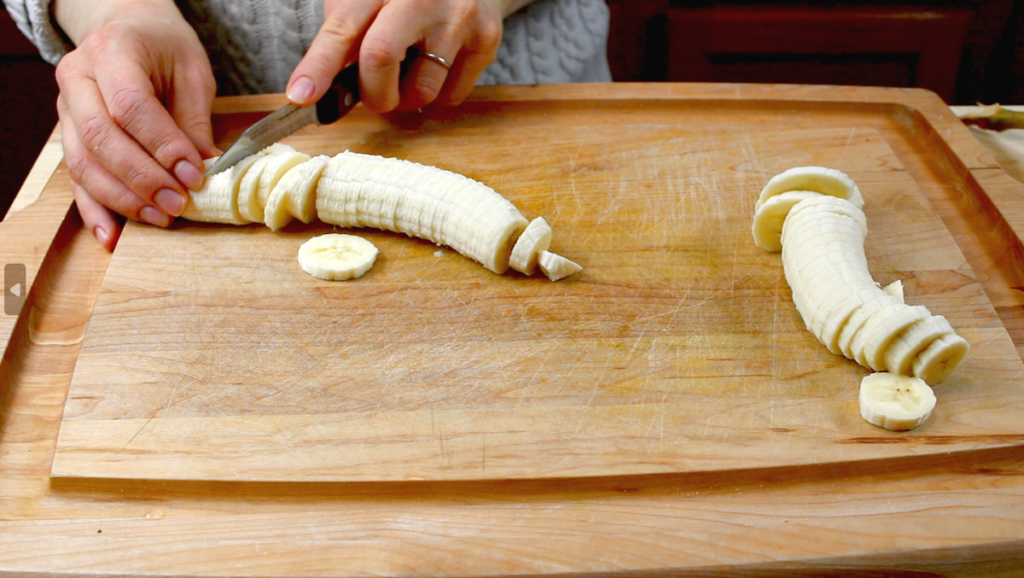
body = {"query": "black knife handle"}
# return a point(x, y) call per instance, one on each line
point(344, 91)
point(340, 97)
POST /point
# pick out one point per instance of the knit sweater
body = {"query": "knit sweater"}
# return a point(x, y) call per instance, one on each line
point(255, 44)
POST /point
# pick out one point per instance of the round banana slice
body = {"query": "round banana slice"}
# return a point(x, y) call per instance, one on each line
point(824, 180)
point(900, 356)
point(337, 257)
point(769, 217)
point(556, 266)
point(895, 402)
point(526, 251)
point(939, 359)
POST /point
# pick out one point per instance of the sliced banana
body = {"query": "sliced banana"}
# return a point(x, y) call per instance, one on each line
point(939, 359)
point(337, 257)
point(895, 402)
point(769, 217)
point(824, 180)
point(294, 196)
point(217, 200)
point(556, 266)
point(895, 289)
point(900, 356)
point(526, 251)
point(822, 241)
point(880, 331)
point(357, 190)
point(248, 201)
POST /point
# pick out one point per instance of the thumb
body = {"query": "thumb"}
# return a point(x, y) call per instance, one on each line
point(335, 45)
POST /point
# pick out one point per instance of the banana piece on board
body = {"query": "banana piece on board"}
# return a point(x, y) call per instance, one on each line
point(769, 217)
point(824, 180)
point(526, 251)
point(294, 196)
point(939, 359)
point(337, 257)
point(556, 266)
point(895, 402)
point(217, 200)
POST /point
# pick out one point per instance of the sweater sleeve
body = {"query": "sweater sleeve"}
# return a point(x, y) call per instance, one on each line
point(34, 21)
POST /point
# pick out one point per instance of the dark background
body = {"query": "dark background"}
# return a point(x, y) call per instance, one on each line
point(967, 51)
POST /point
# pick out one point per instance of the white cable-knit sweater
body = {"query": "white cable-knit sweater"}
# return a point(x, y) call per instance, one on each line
point(255, 44)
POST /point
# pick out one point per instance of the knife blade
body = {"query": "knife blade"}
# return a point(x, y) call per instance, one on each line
point(340, 98)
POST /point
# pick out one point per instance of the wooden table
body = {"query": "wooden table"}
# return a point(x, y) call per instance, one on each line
point(918, 502)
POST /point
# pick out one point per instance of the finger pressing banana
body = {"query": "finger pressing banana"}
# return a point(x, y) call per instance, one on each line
point(354, 190)
point(813, 215)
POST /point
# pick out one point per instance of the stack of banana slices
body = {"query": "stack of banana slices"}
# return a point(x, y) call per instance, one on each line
point(813, 215)
point(355, 190)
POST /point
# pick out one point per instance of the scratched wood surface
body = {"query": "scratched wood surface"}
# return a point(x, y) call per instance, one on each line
point(952, 514)
point(210, 355)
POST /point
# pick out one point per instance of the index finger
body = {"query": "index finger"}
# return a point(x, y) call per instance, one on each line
point(132, 103)
point(380, 56)
point(334, 46)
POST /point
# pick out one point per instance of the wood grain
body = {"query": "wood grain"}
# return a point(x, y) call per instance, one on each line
point(954, 514)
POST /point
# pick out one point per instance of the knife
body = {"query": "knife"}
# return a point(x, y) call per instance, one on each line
point(339, 99)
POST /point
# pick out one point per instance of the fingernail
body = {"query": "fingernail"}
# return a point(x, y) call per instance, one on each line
point(302, 91)
point(188, 174)
point(101, 235)
point(154, 216)
point(170, 201)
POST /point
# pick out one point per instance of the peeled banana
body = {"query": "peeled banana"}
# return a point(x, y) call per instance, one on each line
point(354, 190)
point(813, 215)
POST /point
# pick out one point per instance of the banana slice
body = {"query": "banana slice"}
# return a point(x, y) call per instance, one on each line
point(939, 359)
point(278, 166)
point(337, 257)
point(217, 200)
point(302, 189)
point(871, 344)
point(895, 402)
point(556, 266)
point(769, 217)
point(294, 196)
point(526, 251)
point(895, 289)
point(824, 180)
point(248, 202)
point(900, 356)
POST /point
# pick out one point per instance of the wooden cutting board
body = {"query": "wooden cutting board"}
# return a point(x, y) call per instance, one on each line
point(210, 355)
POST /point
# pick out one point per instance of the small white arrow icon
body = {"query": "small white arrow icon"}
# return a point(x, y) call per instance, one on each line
point(16, 289)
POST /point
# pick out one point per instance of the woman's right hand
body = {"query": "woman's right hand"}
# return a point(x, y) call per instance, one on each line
point(134, 109)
